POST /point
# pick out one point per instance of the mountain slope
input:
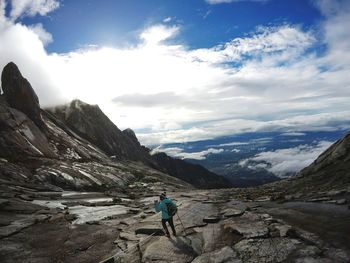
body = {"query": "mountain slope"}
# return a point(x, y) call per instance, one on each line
point(93, 125)
point(194, 174)
point(331, 170)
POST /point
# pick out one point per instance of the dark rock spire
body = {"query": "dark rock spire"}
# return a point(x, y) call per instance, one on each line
point(19, 94)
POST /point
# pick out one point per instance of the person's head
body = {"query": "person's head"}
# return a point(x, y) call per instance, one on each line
point(162, 196)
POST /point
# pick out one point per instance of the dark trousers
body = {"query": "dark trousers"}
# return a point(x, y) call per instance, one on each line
point(171, 223)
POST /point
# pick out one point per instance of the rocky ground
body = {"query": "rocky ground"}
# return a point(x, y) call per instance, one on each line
point(215, 226)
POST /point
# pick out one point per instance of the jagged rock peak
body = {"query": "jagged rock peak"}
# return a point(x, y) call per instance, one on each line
point(78, 103)
point(131, 134)
point(19, 94)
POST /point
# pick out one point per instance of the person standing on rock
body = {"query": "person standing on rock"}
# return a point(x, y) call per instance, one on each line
point(168, 209)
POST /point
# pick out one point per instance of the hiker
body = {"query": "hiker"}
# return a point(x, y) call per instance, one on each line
point(169, 209)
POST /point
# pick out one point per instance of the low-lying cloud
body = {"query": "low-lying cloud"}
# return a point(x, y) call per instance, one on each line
point(179, 153)
point(284, 162)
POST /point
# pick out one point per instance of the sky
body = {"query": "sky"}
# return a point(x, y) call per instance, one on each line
point(187, 70)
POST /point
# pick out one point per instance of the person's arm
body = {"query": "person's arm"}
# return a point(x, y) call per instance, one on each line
point(157, 206)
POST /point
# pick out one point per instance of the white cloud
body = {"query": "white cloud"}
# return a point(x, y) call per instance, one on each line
point(293, 134)
point(179, 153)
point(315, 122)
point(234, 144)
point(283, 39)
point(214, 2)
point(175, 94)
point(32, 7)
point(167, 19)
point(283, 162)
point(158, 33)
point(43, 35)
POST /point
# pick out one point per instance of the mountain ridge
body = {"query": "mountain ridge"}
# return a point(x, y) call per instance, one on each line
point(73, 133)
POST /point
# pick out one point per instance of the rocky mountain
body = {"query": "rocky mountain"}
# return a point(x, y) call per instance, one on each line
point(69, 153)
point(194, 174)
point(93, 125)
point(89, 122)
point(74, 139)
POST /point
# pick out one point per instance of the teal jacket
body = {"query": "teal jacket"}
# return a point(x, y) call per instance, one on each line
point(161, 206)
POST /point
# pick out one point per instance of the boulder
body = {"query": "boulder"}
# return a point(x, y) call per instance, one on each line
point(265, 250)
point(225, 254)
point(168, 250)
point(248, 225)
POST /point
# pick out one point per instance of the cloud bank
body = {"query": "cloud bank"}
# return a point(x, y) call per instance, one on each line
point(272, 79)
point(179, 152)
point(22, 8)
point(215, 2)
point(284, 162)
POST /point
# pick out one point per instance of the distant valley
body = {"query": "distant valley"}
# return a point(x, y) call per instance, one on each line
point(252, 159)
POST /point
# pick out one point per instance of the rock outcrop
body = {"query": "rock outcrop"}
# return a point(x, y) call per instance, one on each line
point(20, 138)
point(19, 94)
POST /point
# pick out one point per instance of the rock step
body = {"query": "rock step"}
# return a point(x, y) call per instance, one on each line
point(211, 219)
point(149, 231)
point(232, 212)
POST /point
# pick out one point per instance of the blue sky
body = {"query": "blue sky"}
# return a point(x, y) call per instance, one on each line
point(109, 22)
point(177, 71)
